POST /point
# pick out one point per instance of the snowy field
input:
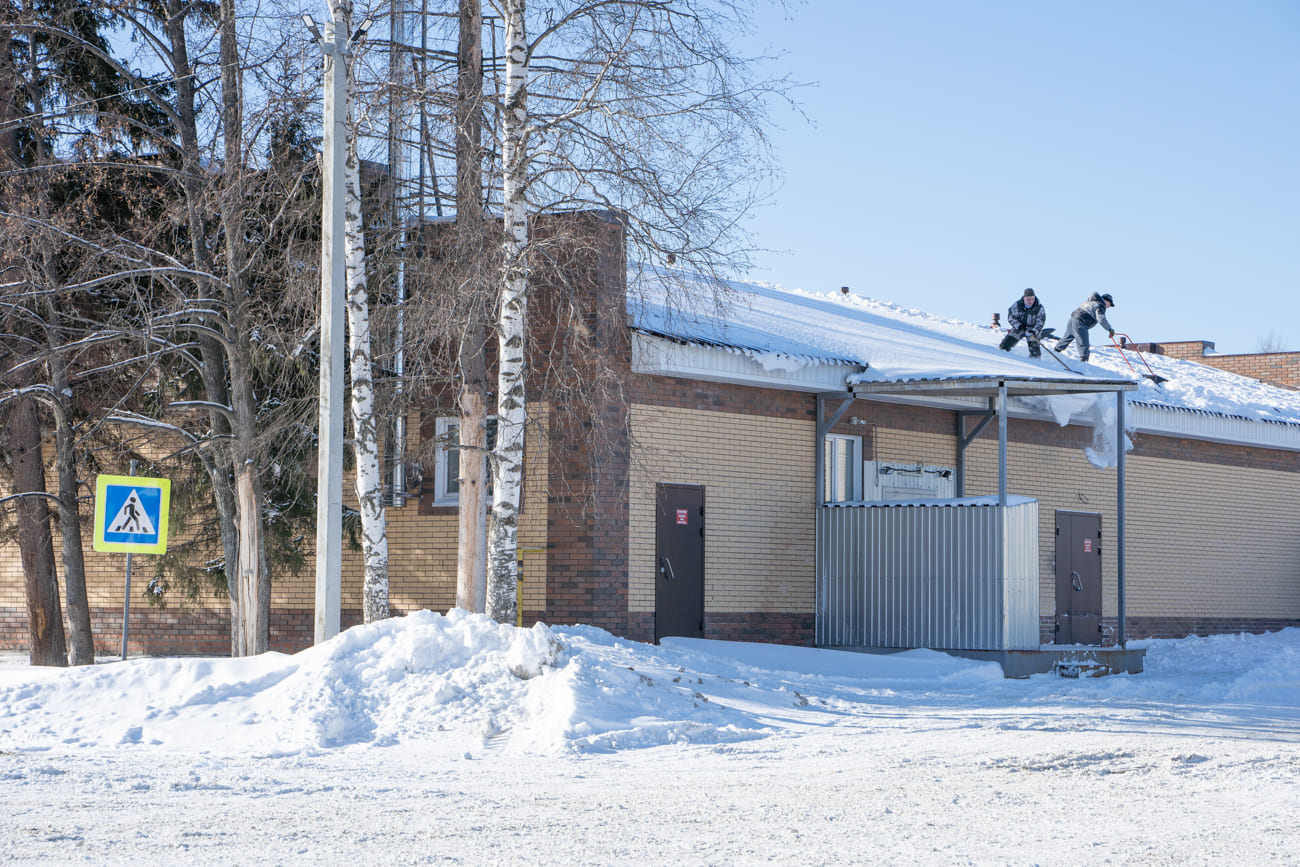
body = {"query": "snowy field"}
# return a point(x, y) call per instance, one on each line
point(449, 739)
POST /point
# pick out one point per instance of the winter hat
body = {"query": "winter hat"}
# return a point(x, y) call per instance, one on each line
point(1029, 293)
point(1108, 300)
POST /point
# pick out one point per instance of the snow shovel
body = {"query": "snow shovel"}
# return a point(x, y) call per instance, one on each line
point(1043, 336)
point(1050, 334)
point(1150, 374)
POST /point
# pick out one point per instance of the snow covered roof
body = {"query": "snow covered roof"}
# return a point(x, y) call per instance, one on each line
point(783, 338)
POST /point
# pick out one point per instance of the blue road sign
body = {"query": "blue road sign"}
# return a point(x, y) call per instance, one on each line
point(131, 514)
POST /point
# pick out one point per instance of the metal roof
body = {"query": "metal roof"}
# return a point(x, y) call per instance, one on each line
point(989, 386)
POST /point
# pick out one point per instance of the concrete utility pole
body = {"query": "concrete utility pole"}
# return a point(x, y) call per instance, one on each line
point(329, 461)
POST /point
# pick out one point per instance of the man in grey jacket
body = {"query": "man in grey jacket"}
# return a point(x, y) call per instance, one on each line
point(1086, 315)
point(1025, 319)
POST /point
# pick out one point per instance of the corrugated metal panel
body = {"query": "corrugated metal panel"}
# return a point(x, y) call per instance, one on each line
point(1219, 427)
point(1020, 576)
point(959, 577)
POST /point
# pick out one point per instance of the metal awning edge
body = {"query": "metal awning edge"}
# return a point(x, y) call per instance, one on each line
point(1016, 386)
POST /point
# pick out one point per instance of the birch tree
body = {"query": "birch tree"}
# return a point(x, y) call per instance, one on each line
point(508, 456)
point(365, 425)
point(640, 107)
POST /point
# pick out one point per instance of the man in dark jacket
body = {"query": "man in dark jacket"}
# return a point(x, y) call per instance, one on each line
point(1026, 319)
point(1086, 315)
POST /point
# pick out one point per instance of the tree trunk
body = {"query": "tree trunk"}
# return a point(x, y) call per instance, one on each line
point(254, 584)
point(210, 350)
point(507, 475)
point(74, 564)
point(365, 427)
point(35, 541)
point(253, 632)
point(471, 552)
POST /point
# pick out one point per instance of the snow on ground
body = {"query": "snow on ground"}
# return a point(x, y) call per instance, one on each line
point(451, 739)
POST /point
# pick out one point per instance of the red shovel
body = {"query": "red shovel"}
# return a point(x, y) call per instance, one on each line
point(1150, 374)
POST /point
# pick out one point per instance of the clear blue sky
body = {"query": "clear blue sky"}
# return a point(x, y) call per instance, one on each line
point(962, 150)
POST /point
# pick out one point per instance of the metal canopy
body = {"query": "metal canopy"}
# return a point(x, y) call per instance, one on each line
point(991, 386)
point(998, 390)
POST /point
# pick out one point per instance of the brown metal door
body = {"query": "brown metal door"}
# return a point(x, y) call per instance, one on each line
point(1078, 578)
point(679, 561)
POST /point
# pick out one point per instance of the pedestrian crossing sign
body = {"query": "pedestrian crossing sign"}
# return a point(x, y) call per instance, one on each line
point(131, 514)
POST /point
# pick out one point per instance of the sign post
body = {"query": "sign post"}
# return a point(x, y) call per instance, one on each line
point(131, 517)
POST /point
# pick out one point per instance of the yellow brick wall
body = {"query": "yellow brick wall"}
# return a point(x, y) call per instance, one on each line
point(907, 447)
point(105, 572)
point(1211, 540)
point(422, 553)
point(1200, 539)
point(422, 548)
point(759, 526)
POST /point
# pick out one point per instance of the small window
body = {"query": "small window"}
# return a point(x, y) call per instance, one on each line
point(446, 491)
point(843, 468)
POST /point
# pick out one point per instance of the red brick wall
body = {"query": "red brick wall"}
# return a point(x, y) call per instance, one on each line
point(1276, 368)
point(723, 397)
point(176, 631)
point(1136, 628)
point(771, 628)
point(583, 322)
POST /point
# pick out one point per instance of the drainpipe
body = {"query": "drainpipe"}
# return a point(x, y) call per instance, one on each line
point(1119, 511)
point(823, 426)
point(1002, 444)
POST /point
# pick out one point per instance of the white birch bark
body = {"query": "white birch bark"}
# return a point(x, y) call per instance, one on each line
point(507, 466)
point(365, 427)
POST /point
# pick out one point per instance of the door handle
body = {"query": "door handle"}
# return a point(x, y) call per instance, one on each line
point(666, 568)
point(1075, 581)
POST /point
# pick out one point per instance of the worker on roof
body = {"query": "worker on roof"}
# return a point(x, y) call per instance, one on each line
point(1026, 318)
point(1086, 315)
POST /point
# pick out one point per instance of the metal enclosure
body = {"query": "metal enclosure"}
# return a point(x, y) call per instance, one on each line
point(945, 574)
point(1078, 578)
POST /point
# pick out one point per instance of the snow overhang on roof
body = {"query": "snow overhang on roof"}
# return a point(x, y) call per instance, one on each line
point(666, 356)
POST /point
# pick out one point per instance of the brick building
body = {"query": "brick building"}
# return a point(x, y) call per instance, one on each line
point(712, 425)
point(1276, 368)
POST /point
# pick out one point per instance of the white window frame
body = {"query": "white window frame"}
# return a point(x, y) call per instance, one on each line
point(446, 428)
point(843, 458)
